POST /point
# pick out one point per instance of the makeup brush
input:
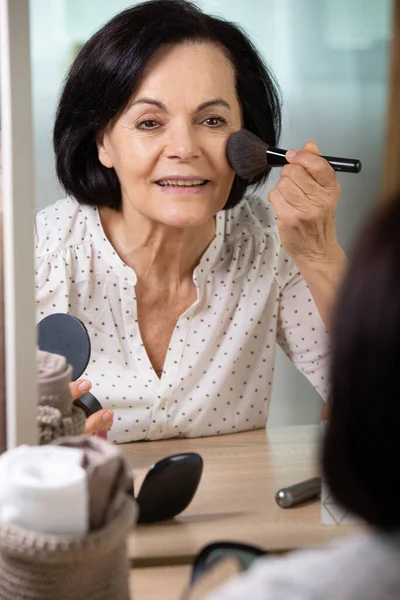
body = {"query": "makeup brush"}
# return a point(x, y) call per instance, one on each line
point(249, 156)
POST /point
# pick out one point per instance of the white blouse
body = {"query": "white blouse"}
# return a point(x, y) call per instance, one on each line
point(218, 372)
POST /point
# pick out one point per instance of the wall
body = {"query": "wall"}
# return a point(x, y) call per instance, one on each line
point(331, 60)
point(2, 349)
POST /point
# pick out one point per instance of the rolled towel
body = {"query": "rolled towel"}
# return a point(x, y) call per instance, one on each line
point(108, 472)
point(54, 376)
point(57, 416)
point(44, 489)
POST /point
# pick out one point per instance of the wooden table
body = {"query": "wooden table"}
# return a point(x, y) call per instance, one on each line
point(159, 583)
point(235, 499)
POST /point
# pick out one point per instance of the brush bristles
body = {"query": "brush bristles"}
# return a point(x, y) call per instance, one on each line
point(247, 154)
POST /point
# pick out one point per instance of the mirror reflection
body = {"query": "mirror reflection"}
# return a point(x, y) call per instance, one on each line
point(187, 278)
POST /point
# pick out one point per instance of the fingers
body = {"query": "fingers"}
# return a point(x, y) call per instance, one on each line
point(316, 166)
point(100, 421)
point(302, 191)
point(311, 146)
point(79, 387)
point(297, 185)
point(286, 214)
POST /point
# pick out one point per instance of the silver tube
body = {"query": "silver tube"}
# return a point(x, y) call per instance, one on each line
point(299, 492)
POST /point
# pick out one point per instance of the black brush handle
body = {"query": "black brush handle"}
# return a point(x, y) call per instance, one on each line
point(276, 158)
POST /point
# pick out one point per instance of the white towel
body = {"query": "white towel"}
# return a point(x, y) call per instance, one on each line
point(44, 489)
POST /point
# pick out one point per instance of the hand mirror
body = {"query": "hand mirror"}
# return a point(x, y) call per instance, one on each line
point(67, 336)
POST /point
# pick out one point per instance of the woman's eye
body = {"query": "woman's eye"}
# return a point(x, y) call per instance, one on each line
point(214, 121)
point(148, 124)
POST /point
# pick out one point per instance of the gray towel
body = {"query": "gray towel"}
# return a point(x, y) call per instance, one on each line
point(57, 416)
point(108, 473)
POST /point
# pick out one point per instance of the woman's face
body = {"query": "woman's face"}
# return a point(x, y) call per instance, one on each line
point(168, 148)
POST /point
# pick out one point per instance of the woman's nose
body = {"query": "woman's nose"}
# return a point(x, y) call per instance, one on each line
point(182, 143)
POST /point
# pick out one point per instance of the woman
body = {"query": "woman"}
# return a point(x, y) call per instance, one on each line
point(361, 453)
point(181, 280)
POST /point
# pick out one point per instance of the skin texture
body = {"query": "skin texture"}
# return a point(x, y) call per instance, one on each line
point(147, 143)
point(177, 125)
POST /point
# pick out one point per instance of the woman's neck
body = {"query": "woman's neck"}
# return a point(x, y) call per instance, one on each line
point(154, 250)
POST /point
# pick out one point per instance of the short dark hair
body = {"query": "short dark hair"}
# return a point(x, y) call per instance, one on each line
point(109, 68)
point(361, 453)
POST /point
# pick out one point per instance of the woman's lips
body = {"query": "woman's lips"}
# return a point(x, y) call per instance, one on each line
point(182, 189)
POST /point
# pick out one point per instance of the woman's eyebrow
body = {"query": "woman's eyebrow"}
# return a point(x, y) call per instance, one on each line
point(147, 101)
point(214, 102)
point(202, 106)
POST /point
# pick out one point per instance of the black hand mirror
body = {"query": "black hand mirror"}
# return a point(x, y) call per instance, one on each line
point(67, 336)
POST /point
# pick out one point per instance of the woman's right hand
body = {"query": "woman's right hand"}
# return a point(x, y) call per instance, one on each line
point(99, 422)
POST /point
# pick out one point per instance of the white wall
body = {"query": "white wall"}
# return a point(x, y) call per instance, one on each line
point(330, 58)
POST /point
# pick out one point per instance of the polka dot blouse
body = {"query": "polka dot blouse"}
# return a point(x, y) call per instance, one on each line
point(218, 372)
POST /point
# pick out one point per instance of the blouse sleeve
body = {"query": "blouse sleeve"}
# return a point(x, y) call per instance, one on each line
point(52, 276)
point(301, 332)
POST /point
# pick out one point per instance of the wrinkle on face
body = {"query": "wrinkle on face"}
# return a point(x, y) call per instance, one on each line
point(174, 94)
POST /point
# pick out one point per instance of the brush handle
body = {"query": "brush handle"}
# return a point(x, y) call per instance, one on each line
point(276, 158)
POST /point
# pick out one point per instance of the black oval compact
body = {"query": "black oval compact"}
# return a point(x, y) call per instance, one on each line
point(169, 487)
point(67, 336)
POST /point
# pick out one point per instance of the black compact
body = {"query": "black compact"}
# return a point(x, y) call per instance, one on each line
point(169, 487)
point(67, 336)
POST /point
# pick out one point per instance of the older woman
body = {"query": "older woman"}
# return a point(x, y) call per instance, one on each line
point(185, 283)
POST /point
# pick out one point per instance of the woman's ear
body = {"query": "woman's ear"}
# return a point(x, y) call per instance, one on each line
point(103, 150)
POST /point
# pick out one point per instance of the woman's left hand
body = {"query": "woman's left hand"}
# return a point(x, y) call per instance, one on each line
point(304, 201)
point(99, 422)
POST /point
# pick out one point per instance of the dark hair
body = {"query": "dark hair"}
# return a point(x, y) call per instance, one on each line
point(109, 68)
point(361, 453)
